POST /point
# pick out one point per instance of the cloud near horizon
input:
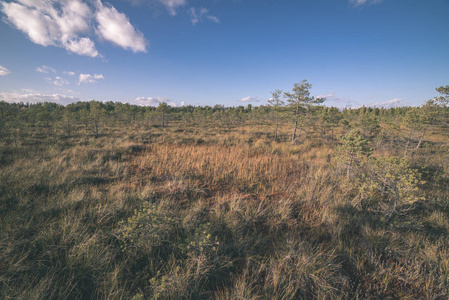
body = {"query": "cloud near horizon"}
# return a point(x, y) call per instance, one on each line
point(70, 24)
point(339, 101)
point(390, 103)
point(250, 99)
point(150, 101)
point(35, 97)
point(4, 71)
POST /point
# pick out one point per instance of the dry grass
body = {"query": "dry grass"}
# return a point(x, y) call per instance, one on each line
point(212, 214)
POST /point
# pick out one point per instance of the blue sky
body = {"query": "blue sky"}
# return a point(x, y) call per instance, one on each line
point(231, 52)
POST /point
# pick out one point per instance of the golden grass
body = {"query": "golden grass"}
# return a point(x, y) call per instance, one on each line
point(281, 224)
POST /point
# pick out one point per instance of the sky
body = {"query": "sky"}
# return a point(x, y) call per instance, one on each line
point(378, 53)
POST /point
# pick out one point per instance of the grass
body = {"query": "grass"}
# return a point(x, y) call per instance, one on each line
point(211, 213)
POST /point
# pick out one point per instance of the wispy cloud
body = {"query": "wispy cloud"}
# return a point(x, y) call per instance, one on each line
point(70, 24)
point(333, 99)
point(87, 78)
point(197, 15)
point(45, 69)
point(35, 97)
point(213, 19)
point(69, 73)
point(250, 99)
point(172, 5)
point(150, 101)
point(4, 71)
point(115, 28)
point(328, 96)
point(364, 2)
point(58, 81)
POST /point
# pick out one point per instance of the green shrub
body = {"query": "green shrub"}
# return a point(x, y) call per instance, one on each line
point(147, 228)
point(390, 184)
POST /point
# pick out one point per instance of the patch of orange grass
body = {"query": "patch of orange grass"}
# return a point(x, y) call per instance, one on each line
point(219, 167)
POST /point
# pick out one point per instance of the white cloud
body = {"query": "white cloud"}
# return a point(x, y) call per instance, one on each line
point(87, 78)
point(150, 101)
point(197, 15)
point(362, 2)
point(328, 96)
point(333, 99)
point(193, 16)
point(59, 81)
point(37, 97)
point(114, 26)
point(4, 71)
point(172, 5)
point(390, 103)
point(82, 46)
point(69, 73)
point(250, 99)
point(45, 69)
point(69, 24)
point(213, 19)
point(53, 23)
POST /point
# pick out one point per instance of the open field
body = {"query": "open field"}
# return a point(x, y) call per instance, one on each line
point(221, 211)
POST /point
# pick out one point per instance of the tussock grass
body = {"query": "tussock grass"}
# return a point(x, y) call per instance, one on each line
point(211, 213)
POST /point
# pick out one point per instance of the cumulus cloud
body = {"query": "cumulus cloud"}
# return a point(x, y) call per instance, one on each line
point(69, 24)
point(45, 69)
point(82, 46)
point(362, 2)
point(35, 97)
point(197, 15)
point(53, 23)
point(250, 99)
point(150, 101)
point(4, 71)
point(114, 27)
point(87, 78)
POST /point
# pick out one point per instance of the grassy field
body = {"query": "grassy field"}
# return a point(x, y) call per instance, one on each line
point(195, 212)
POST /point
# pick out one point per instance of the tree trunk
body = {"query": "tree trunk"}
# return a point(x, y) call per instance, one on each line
point(407, 144)
point(420, 139)
point(69, 131)
point(294, 131)
point(96, 127)
point(349, 169)
point(276, 130)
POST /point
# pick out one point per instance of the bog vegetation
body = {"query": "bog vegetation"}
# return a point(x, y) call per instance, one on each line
point(294, 200)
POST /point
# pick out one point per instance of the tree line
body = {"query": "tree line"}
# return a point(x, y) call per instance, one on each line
point(296, 108)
